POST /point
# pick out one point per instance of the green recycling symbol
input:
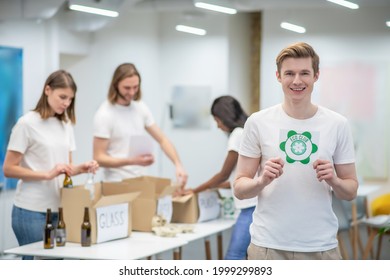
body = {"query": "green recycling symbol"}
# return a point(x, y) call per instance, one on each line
point(228, 206)
point(298, 147)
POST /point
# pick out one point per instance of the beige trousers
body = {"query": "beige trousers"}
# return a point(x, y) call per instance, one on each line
point(262, 253)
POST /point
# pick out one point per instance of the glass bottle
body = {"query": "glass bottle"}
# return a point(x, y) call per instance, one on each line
point(48, 232)
point(68, 182)
point(89, 185)
point(61, 229)
point(86, 229)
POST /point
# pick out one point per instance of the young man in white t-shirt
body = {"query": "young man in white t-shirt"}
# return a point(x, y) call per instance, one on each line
point(118, 121)
point(305, 152)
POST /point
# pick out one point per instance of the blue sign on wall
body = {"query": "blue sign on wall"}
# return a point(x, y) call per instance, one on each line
point(11, 100)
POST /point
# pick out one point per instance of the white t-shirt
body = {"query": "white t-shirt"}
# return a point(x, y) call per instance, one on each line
point(43, 143)
point(234, 145)
point(294, 212)
point(118, 124)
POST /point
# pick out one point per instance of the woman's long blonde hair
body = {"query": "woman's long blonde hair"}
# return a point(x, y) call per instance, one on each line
point(58, 79)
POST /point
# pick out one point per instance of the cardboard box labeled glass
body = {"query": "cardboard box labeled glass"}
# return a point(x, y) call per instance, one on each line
point(155, 199)
point(110, 213)
point(196, 208)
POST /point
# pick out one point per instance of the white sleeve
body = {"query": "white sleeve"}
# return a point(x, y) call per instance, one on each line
point(72, 141)
point(250, 143)
point(101, 123)
point(235, 140)
point(147, 114)
point(345, 149)
point(19, 138)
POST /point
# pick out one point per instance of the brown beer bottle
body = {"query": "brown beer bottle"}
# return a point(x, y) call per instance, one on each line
point(86, 229)
point(68, 182)
point(61, 229)
point(49, 232)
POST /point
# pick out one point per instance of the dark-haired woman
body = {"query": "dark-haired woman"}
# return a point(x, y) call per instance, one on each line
point(230, 118)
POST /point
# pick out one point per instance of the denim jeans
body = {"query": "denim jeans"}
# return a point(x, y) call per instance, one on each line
point(28, 226)
point(241, 237)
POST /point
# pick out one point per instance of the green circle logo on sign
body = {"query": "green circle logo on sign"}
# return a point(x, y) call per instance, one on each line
point(298, 147)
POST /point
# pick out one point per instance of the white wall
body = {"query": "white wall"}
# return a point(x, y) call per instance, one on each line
point(360, 37)
point(32, 38)
point(194, 61)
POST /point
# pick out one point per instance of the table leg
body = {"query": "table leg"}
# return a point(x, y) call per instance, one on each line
point(355, 232)
point(177, 254)
point(343, 250)
point(378, 252)
point(220, 246)
point(370, 241)
point(207, 248)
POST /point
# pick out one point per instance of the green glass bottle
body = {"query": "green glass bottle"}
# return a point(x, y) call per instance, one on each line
point(86, 229)
point(68, 182)
point(48, 232)
point(61, 229)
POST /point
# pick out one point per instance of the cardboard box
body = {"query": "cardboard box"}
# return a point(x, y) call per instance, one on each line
point(155, 198)
point(110, 224)
point(196, 208)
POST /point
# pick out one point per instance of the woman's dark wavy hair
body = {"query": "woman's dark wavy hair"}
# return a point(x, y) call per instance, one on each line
point(229, 111)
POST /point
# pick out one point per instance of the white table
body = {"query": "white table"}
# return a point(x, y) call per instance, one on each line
point(138, 246)
point(203, 230)
point(365, 190)
point(131, 248)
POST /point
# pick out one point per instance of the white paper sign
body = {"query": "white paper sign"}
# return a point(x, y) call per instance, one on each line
point(165, 208)
point(228, 208)
point(209, 207)
point(298, 146)
point(112, 222)
point(140, 145)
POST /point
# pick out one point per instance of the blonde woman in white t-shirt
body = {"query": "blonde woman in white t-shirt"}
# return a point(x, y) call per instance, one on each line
point(230, 118)
point(39, 153)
